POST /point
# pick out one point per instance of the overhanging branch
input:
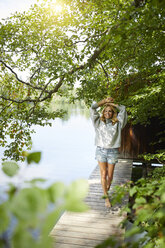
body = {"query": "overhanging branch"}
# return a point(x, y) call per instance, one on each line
point(90, 63)
point(105, 72)
point(85, 40)
point(20, 80)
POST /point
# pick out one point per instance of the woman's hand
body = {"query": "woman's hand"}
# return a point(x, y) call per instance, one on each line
point(109, 100)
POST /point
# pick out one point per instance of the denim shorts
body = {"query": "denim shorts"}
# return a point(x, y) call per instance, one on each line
point(109, 155)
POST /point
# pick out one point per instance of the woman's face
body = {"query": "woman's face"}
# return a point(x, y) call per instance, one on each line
point(108, 113)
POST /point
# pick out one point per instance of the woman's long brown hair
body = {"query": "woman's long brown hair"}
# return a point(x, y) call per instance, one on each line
point(114, 117)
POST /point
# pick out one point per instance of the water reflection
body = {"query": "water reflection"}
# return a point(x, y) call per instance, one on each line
point(67, 149)
point(71, 109)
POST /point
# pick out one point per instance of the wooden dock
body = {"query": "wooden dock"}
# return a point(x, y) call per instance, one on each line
point(87, 229)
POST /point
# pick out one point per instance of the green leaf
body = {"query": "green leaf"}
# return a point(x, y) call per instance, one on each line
point(51, 220)
point(163, 198)
point(133, 190)
point(74, 205)
point(160, 214)
point(117, 38)
point(75, 195)
point(78, 189)
point(45, 241)
point(56, 191)
point(36, 180)
point(4, 217)
point(134, 230)
point(22, 238)
point(29, 203)
point(10, 168)
point(34, 157)
point(140, 200)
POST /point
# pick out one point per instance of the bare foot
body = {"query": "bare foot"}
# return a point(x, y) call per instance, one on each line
point(107, 203)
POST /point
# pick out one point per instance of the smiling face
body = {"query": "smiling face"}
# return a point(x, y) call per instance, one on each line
point(108, 113)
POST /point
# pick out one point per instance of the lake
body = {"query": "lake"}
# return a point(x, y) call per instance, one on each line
point(68, 151)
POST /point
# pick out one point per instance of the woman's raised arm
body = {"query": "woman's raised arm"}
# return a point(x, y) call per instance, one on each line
point(105, 101)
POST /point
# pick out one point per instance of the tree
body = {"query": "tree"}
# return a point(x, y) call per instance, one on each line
point(113, 48)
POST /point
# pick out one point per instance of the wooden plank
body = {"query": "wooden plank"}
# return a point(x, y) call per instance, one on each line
point(91, 215)
point(76, 234)
point(87, 229)
point(78, 241)
point(62, 245)
point(90, 222)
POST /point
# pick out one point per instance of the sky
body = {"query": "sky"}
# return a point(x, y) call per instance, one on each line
point(10, 6)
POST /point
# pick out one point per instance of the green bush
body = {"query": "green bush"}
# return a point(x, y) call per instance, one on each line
point(146, 210)
point(30, 211)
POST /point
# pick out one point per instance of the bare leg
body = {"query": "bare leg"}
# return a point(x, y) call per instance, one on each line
point(111, 168)
point(104, 173)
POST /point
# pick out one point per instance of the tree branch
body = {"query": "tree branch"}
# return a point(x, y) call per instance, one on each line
point(8, 67)
point(89, 63)
point(18, 101)
point(5, 107)
point(83, 41)
point(49, 95)
point(106, 74)
point(37, 70)
point(20, 80)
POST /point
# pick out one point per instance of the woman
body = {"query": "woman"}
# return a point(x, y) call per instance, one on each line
point(108, 139)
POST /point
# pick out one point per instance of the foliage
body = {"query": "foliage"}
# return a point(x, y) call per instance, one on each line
point(29, 211)
point(10, 168)
point(34, 63)
point(146, 212)
point(159, 156)
point(113, 48)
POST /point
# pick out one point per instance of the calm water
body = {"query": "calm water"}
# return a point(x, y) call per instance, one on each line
point(67, 151)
